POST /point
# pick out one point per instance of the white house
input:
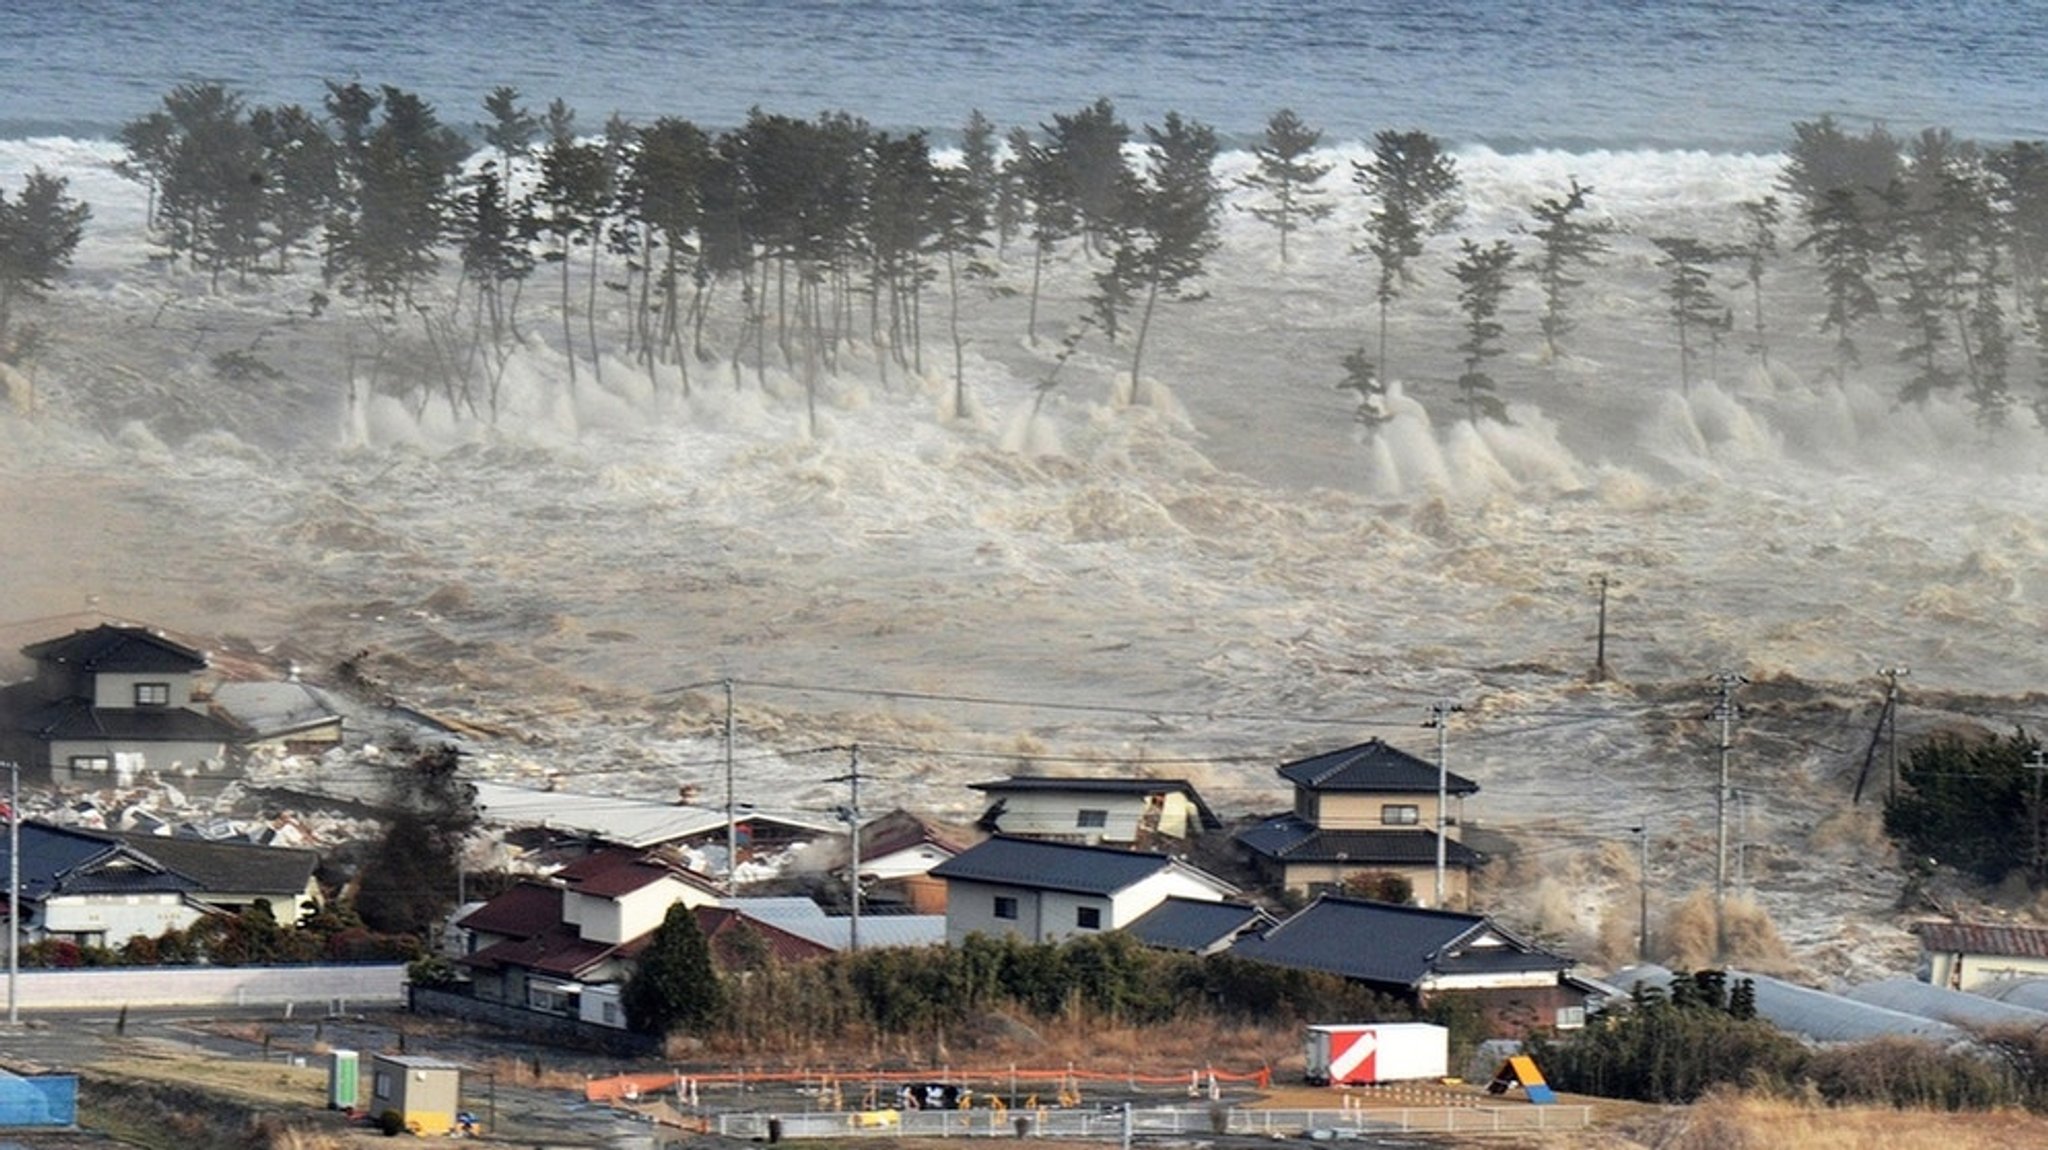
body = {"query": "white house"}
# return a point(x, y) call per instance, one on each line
point(1045, 891)
point(1124, 812)
point(1969, 955)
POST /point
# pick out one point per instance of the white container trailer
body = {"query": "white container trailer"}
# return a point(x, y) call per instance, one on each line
point(1364, 1053)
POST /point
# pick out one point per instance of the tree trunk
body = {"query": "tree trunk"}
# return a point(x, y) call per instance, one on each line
point(1144, 327)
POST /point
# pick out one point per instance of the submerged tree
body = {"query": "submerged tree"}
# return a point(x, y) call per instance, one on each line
point(1414, 185)
point(1567, 244)
point(1848, 252)
point(1172, 227)
point(1289, 181)
point(39, 232)
point(1760, 218)
point(1694, 310)
point(1047, 187)
point(1363, 381)
point(414, 873)
point(1482, 274)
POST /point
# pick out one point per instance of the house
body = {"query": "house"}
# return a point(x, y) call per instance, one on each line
point(805, 920)
point(1044, 891)
point(1363, 810)
point(109, 703)
point(897, 852)
point(1423, 955)
point(540, 944)
point(292, 716)
point(1968, 955)
point(1197, 926)
point(1118, 812)
point(639, 823)
point(99, 888)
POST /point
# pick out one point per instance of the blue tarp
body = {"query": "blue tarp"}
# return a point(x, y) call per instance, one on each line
point(50, 1100)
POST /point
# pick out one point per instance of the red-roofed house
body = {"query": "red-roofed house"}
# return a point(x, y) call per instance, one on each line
point(563, 946)
point(1967, 955)
point(732, 933)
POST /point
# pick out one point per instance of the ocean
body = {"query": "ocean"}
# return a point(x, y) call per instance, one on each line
point(1727, 76)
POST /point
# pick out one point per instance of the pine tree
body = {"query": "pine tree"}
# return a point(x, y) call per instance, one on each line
point(575, 189)
point(414, 871)
point(1695, 311)
point(1088, 146)
point(39, 232)
point(1482, 274)
point(1289, 181)
point(1567, 244)
point(1414, 185)
point(981, 176)
point(1361, 380)
point(1047, 188)
point(1848, 253)
point(673, 984)
point(1172, 228)
point(665, 186)
point(1760, 219)
point(1823, 159)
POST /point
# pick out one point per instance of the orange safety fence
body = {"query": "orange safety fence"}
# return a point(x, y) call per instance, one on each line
point(638, 1085)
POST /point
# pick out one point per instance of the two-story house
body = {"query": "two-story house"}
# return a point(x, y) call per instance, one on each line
point(1045, 892)
point(111, 702)
point(1127, 812)
point(1370, 808)
point(550, 945)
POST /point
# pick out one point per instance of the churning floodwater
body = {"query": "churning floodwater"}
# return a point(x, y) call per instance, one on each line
point(1678, 74)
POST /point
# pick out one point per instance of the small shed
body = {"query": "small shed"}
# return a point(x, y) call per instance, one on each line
point(426, 1092)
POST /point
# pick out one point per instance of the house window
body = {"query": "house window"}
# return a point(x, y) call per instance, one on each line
point(1571, 1017)
point(611, 1013)
point(1088, 917)
point(1400, 814)
point(1092, 820)
point(152, 694)
point(381, 1085)
point(1006, 907)
point(92, 763)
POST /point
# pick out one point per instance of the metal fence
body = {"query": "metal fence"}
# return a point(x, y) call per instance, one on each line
point(1177, 1122)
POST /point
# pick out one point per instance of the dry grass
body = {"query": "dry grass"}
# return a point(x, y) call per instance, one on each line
point(264, 1083)
point(1734, 1122)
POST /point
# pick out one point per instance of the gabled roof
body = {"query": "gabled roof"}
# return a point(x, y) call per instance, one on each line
point(2006, 940)
point(900, 830)
point(627, 822)
point(1393, 946)
point(1194, 924)
point(57, 859)
point(1288, 839)
point(1041, 865)
point(807, 920)
point(1372, 766)
point(270, 710)
point(616, 871)
point(117, 649)
point(558, 951)
point(721, 923)
point(240, 868)
point(1057, 784)
point(525, 911)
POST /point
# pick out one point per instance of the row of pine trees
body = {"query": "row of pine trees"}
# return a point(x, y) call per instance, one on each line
point(809, 236)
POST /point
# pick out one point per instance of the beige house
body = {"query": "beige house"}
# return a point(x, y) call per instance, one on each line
point(1970, 955)
point(1365, 810)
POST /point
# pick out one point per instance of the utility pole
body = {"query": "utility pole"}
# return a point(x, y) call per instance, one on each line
point(1600, 646)
point(1439, 717)
point(1642, 834)
point(1725, 712)
point(851, 813)
point(2037, 765)
point(13, 894)
point(732, 826)
point(1892, 675)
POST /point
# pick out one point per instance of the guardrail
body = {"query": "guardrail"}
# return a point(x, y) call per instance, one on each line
point(1174, 1122)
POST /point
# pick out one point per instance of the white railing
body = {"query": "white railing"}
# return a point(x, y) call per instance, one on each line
point(1177, 1122)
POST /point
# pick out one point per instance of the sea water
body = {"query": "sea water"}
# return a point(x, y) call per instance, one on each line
point(1719, 75)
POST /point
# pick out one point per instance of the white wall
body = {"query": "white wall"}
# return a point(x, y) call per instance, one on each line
point(306, 987)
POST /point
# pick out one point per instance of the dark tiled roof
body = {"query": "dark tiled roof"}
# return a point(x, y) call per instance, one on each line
point(1193, 924)
point(526, 911)
point(1992, 938)
point(900, 830)
point(614, 871)
point(117, 649)
point(1372, 766)
point(1052, 866)
point(50, 854)
point(1288, 839)
point(557, 952)
point(229, 866)
point(79, 719)
point(1389, 945)
point(1100, 786)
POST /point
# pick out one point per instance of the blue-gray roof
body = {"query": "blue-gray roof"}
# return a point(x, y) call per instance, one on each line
point(1194, 924)
point(56, 859)
point(1288, 839)
point(1389, 945)
point(1373, 766)
point(122, 649)
point(1051, 866)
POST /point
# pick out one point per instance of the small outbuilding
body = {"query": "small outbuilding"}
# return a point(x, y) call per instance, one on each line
point(426, 1093)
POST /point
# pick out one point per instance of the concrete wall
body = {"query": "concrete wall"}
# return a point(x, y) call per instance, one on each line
point(310, 987)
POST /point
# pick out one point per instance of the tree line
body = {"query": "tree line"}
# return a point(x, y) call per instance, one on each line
point(811, 236)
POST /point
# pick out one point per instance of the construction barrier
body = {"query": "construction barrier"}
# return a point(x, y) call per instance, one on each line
point(1061, 1084)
